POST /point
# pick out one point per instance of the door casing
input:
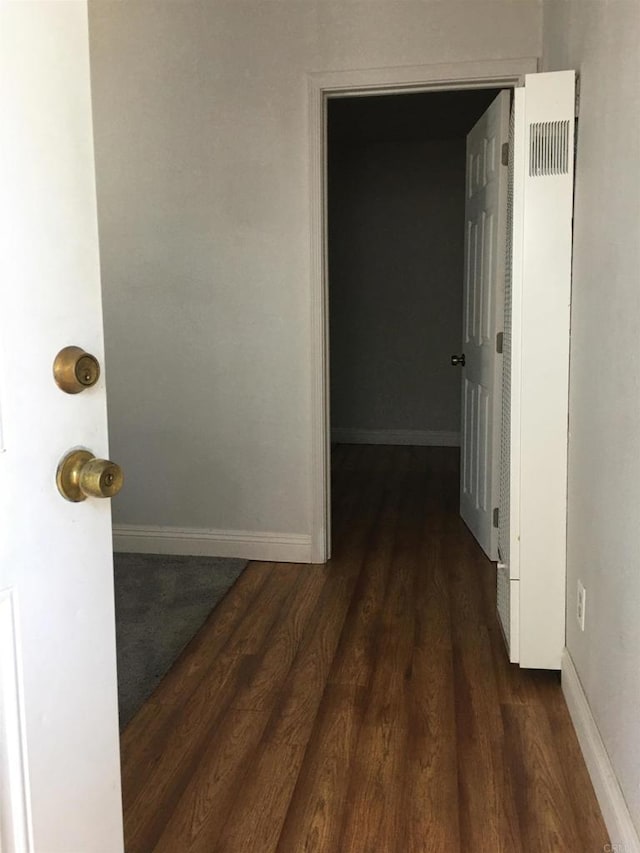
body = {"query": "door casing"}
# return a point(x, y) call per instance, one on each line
point(457, 76)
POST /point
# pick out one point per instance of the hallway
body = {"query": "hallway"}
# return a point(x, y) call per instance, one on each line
point(363, 705)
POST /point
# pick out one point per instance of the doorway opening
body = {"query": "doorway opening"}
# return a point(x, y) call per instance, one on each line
point(322, 88)
point(397, 172)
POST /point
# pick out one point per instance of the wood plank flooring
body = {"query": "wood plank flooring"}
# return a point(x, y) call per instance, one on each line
point(363, 706)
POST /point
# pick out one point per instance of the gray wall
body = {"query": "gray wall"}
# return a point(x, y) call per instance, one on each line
point(396, 241)
point(601, 40)
point(202, 154)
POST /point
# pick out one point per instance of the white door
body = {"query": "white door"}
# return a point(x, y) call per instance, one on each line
point(483, 306)
point(59, 759)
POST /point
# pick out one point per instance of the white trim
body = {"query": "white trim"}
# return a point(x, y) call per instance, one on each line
point(491, 73)
point(415, 437)
point(615, 812)
point(201, 542)
point(517, 274)
point(320, 417)
point(501, 73)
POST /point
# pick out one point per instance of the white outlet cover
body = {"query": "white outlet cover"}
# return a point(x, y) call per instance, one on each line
point(581, 605)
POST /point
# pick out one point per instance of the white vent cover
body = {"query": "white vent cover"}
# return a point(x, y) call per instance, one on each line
point(548, 148)
point(532, 573)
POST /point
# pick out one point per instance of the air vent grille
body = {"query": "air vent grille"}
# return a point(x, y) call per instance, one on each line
point(548, 148)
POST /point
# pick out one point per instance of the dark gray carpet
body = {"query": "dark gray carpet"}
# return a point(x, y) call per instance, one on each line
point(161, 602)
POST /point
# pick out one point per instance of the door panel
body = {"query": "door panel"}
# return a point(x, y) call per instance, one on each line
point(56, 577)
point(485, 211)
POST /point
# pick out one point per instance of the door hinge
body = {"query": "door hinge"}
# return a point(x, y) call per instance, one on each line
point(505, 153)
point(496, 516)
point(500, 343)
point(577, 101)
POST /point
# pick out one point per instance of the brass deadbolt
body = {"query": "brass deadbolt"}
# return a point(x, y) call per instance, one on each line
point(74, 370)
point(80, 475)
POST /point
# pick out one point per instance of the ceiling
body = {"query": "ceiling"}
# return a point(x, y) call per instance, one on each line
point(406, 118)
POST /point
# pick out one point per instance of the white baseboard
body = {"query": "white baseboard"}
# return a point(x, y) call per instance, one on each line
point(615, 812)
point(246, 544)
point(416, 437)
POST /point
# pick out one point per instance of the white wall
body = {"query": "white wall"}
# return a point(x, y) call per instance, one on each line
point(202, 165)
point(396, 242)
point(601, 40)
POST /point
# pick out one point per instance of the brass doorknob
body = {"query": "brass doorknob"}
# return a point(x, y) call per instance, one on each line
point(74, 370)
point(80, 475)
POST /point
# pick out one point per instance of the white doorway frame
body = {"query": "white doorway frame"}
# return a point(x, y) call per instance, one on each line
point(487, 74)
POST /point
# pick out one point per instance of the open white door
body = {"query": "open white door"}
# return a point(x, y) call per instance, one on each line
point(59, 759)
point(483, 315)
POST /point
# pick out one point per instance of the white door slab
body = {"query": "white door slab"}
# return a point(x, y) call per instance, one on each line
point(59, 726)
point(483, 309)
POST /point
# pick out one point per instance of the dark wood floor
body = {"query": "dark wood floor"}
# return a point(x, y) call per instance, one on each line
point(364, 705)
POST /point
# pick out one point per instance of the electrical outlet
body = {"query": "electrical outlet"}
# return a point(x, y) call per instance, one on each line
point(581, 605)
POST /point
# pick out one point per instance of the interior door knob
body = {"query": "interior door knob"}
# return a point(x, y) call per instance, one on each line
point(80, 475)
point(74, 370)
point(458, 360)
